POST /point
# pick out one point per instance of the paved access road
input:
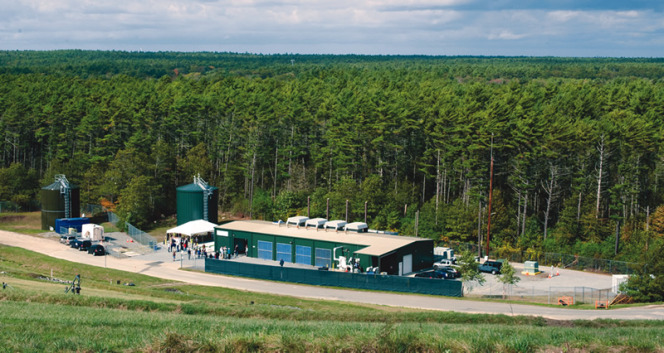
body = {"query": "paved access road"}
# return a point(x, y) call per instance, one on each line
point(164, 267)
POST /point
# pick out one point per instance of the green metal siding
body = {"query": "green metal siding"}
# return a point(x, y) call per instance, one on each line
point(421, 250)
point(53, 204)
point(190, 204)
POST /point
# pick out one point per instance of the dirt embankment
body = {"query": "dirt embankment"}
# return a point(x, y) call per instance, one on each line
point(11, 218)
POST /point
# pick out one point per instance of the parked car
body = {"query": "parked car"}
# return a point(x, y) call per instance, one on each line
point(430, 274)
point(67, 239)
point(450, 272)
point(76, 243)
point(85, 245)
point(97, 250)
point(442, 263)
point(492, 267)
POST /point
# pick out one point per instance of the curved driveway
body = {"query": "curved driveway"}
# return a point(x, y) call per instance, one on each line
point(170, 270)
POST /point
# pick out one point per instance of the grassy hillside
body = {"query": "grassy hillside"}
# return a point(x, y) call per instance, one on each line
point(22, 222)
point(159, 315)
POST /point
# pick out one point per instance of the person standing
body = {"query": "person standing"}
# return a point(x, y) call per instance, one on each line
point(173, 255)
point(189, 253)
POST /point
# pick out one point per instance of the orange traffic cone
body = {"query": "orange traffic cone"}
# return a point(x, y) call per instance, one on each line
point(557, 273)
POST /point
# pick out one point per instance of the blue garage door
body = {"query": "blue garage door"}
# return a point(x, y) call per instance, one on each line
point(323, 257)
point(265, 250)
point(303, 255)
point(284, 252)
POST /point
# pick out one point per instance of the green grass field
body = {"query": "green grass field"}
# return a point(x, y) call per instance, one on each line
point(157, 315)
point(30, 223)
point(22, 222)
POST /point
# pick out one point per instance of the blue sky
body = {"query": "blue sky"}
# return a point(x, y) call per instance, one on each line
point(441, 27)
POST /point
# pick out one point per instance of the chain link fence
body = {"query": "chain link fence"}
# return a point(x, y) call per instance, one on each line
point(552, 295)
point(113, 218)
point(588, 264)
point(135, 233)
point(141, 236)
point(91, 210)
point(9, 206)
point(568, 261)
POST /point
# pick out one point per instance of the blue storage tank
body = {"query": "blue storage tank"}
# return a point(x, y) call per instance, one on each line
point(62, 225)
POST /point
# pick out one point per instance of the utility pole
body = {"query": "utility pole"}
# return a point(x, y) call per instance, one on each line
point(346, 211)
point(488, 224)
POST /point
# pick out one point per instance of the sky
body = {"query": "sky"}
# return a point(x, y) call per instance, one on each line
point(579, 28)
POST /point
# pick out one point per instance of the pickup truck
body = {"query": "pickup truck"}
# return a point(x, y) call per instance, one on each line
point(442, 263)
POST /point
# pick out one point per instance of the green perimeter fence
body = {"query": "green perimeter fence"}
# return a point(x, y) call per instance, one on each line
point(450, 288)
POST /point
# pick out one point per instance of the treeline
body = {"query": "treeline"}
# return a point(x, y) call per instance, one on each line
point(156, 64)
point(576, 143)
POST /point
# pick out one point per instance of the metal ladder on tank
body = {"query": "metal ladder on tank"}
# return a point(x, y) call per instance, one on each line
point(207, 193)
point(65, 191)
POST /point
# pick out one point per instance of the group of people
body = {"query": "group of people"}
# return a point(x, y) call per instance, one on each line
point(178, 244)
point(186, 245)
point(190, 245)
point(227, 253)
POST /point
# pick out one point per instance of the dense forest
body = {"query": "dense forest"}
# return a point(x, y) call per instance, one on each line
point(576, 143)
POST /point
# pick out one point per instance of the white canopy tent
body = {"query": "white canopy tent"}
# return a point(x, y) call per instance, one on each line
point(196, 227)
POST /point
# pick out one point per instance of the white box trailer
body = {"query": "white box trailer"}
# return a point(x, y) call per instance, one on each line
point(92, 231)
point(444, 253)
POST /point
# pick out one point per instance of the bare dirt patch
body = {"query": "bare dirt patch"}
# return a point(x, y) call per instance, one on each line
point(11, 218)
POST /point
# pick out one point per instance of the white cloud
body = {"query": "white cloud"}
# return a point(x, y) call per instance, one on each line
point(563, 16)
point(505, 34)
point(323, 26)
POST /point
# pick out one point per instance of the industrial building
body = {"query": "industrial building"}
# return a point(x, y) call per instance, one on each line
point(320, 246)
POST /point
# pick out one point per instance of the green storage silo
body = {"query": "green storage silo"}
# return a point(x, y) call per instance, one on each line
point(197, 201)
point(59, 200)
